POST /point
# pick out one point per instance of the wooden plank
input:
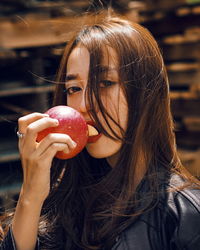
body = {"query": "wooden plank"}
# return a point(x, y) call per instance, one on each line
point(185, 106)
point(182, 73)
point(9, 156)
point(9, 190)
point(32, 32)
point(8, 117)
point(183, 67)
point(172, 24)
point(191, 160)
point(8, 150)
point(192, 123)
point(11, 112)
point(188, 139)
point(181, 51)
point(26, 90)
point(14, 108)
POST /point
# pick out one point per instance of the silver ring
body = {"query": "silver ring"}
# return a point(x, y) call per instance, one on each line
point(20, 135)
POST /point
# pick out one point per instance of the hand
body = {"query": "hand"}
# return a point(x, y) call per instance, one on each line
point(36, 157)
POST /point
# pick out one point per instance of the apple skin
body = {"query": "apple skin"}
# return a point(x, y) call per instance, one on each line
point(72, 123)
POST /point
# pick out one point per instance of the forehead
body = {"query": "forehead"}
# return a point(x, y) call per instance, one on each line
point(109, 57)
point(80, 57)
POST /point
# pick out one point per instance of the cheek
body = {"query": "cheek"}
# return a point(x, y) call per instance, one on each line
point(123, 113)
point(72, 102)
point(116, 105)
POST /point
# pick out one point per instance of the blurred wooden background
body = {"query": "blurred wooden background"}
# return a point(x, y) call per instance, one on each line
point(33, 35)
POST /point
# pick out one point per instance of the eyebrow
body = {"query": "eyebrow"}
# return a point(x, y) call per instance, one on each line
point(103, 69)
point(71, 77)
point(106, 69)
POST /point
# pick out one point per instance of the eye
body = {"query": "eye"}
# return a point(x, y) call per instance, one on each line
point(106, 83)
point(72, 90)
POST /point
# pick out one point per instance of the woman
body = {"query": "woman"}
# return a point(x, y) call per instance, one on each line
point(125, 190)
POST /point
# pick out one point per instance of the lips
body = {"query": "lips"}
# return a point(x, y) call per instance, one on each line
point(94, 138)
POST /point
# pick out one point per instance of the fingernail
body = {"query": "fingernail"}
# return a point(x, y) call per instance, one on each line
point(74, 144)
point(45, 115)
point(56, 122)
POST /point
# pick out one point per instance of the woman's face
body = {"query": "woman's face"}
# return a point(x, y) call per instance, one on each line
point(111, 95)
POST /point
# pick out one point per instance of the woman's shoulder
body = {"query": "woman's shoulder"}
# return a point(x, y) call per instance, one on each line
point(182, 195)
point(180, 199)
point(173, 223)
point(181, 206)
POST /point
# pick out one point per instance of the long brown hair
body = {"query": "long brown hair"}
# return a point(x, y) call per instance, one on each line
point(92, 202)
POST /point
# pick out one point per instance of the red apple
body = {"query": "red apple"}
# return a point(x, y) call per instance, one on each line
point(72, 123)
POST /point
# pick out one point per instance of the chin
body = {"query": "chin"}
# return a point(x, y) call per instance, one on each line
point(96, 155)
point(103, 148)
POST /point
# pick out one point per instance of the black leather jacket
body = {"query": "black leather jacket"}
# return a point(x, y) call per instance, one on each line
point(173, 224)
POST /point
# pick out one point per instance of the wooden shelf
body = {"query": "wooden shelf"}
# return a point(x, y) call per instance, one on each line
point(9, 156)
point(188, 139)
point(10, 189)
point(35, 32)
point(8, 150)
point(185, 106)
point(35, 43)
point(26, 90)
point(191, 160)
point(11, 112)
point(8, 117)
point(172, 24)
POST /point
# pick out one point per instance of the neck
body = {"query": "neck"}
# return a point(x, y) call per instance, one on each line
point(112, 160)
point(139, 172)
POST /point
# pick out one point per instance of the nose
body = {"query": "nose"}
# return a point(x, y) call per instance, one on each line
point(83, 105)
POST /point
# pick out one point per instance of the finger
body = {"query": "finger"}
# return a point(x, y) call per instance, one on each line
point(56, 138)
point(24, 121)
point(35, 127)
point(51, 151)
